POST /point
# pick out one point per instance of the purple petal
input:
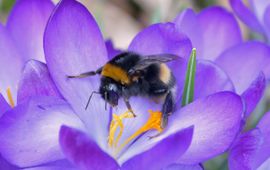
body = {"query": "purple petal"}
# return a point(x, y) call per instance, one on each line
point(265, 165)
point(76, 49)
point(267, 22)
point(36, 81)
point(83, 151)
point(184, 167)
point(246, 15)
point(163, 153)
point(10, 64)
point(216, 121)
point(241, 155)
point(27, 23)
point(160, 39)
point(220, 31)
point(50, 168)
point(62, 164)
point(243, 65)
point(112, 52)
point(264, 151)
point(4, 106)
point(259, 7)
point(187, 22)
point(6, 165)
point(254, 93)
point(252, 149)
point(29, 132)
point(210, 79)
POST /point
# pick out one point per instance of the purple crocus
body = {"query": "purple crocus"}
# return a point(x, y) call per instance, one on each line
point(256, 17)
point(73, 44)
point(21, 40)
point(251, 150)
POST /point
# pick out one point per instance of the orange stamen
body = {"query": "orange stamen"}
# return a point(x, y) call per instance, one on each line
point(115, 123)
point(10, 99)
point(153, 123)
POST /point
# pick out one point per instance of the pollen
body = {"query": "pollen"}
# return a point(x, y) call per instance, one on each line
point(10, 99)
point(153, 123)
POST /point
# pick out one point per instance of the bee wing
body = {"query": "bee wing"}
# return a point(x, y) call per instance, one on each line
point(160, 58)
point(152, 59)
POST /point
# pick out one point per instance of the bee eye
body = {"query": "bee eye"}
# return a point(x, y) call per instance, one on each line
point(112, 87)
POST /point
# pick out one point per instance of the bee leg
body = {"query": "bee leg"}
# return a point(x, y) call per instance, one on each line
point(83, 75)
point(87, 74)
point(129, 107)
point(89, 99)
point(160, 89)
point(167, 109)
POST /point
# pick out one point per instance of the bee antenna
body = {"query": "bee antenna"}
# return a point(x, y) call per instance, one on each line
point(89, 99)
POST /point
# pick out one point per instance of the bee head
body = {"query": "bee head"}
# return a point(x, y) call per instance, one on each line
point(109, 91)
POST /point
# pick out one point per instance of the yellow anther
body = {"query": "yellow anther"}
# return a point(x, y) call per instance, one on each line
point(116, 122)
point(10, 99)
point(153, 123)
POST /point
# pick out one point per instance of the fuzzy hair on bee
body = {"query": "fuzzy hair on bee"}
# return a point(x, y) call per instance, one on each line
point(130, 74)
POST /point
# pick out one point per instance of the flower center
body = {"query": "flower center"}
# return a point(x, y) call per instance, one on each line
point(10, 99)
point(153, 123)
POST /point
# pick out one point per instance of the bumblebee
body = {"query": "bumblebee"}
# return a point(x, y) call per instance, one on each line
point(129, 74)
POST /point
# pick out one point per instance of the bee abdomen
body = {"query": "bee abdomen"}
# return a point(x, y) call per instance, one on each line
point(165, 73)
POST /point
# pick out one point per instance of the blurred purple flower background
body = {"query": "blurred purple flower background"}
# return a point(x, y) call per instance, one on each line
point(256, 16)
point(43, 123)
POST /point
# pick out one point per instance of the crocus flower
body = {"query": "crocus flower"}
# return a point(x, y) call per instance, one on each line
point(216, 34)
point(252, 150)
point(73, 44)
point(256, 17)
point(20, 40)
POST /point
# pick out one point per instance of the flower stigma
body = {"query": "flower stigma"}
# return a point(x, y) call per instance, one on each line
point(153, 123)
point(117, 122)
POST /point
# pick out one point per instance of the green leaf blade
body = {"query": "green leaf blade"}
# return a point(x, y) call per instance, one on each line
point(188, 93)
